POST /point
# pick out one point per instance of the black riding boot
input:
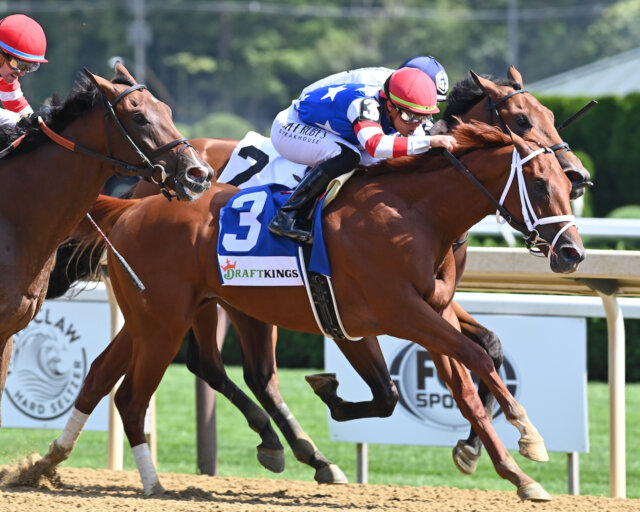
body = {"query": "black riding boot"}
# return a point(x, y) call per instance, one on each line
point(291, 220)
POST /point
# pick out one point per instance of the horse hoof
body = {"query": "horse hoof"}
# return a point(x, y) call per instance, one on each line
point(156, 490)
point(464, 459)
point(535, 451)
point(330, 474)
point(319, 380)
point(533, 492)
point(273, 460)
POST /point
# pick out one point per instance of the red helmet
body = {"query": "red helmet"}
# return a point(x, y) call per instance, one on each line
point(412, 89)
point(23, 38)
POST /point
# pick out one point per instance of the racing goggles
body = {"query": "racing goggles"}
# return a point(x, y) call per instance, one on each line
point(411, 117)
point(18, 65)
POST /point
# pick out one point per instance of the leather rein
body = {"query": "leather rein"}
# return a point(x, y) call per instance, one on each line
point(149, 170)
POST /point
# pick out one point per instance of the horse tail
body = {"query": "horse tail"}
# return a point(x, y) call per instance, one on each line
point(78, 257)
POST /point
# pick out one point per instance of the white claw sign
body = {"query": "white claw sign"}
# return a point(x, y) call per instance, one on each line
point(51, 357)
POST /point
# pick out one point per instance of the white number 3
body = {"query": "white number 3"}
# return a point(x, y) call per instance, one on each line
point(230, 241)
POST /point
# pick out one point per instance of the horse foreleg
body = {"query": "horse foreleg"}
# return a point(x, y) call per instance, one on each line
point(104, 373)
point(366, 358)
point(258, 347)
point(144, 373)
point(413, 319)
point(476, 358)
point(205, 361)
point(5, 360)
point(463, 391)
point(467, 452)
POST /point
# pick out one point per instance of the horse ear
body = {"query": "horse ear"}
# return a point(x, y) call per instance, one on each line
point(486, 85)
point(101, 83)
point(515, 75)
point(122, 72)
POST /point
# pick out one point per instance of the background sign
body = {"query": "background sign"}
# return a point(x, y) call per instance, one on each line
point(52, 356)
point(544, 368)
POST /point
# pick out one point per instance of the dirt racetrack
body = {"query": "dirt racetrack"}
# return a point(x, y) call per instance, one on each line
point(120, 491)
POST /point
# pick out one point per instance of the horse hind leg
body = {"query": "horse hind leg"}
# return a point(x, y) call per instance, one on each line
point(258, 340)
point(204, 360)
point(366, 358)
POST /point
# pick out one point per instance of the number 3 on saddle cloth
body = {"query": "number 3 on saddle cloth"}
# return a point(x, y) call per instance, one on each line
point(250, 255)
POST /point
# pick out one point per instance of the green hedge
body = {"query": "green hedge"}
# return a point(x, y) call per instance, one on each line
point(609, 135)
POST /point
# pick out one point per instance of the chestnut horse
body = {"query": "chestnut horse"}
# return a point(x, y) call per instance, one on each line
point(386, 235)
point(504, 102)
point(54, 173)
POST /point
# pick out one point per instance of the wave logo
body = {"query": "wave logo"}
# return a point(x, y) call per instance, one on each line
point(47, 368)
point(423, 394)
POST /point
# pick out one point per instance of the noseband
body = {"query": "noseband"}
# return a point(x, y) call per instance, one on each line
point(151, 171)
point(532, 238)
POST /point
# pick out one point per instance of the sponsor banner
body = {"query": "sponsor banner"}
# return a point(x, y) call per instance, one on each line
point(260, 271)
point(544, 368)
point(51, 357)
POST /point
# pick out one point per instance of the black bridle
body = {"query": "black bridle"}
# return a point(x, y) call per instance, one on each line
point(149, 170)
point(492, 110)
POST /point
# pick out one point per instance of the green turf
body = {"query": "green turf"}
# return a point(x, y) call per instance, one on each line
point(388, 464)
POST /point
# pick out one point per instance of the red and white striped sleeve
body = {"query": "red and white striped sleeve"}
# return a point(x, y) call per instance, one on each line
point(13, 99)
point(372, 138)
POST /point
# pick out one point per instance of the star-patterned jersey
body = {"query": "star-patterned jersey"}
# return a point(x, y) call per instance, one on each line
point(370, 76)
point(354, 112)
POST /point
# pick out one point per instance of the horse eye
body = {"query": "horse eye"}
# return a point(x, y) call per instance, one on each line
point(540, 186)
point(523, 121)
point(140, 119)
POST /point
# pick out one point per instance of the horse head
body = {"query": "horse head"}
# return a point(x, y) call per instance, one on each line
point(544, 200)
point(145, 132)
point(512, 107)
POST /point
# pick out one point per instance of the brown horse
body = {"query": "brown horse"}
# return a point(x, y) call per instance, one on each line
point(504, 103)
point(47, 189)
point(386, 235)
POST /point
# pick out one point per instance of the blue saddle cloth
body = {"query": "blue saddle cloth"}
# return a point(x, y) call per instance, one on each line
point(250, 255)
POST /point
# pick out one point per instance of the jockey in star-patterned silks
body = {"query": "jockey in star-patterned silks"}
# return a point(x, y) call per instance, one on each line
point(379, 75)
point(333, 128)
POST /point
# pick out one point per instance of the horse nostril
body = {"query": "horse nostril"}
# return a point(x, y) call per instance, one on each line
point(571, 254)
point(197, 174)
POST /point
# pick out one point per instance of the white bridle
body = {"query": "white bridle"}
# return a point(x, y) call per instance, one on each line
point(528, 214)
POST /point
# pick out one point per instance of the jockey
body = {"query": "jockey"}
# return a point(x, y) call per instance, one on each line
point(333, 127)
point(22, 48)
point(378, 75)
point(372, 75)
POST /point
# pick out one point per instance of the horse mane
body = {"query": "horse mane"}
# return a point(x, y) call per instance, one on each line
point(476, 134)
point(469, 136)
point(465, 94)
point(58, 114)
